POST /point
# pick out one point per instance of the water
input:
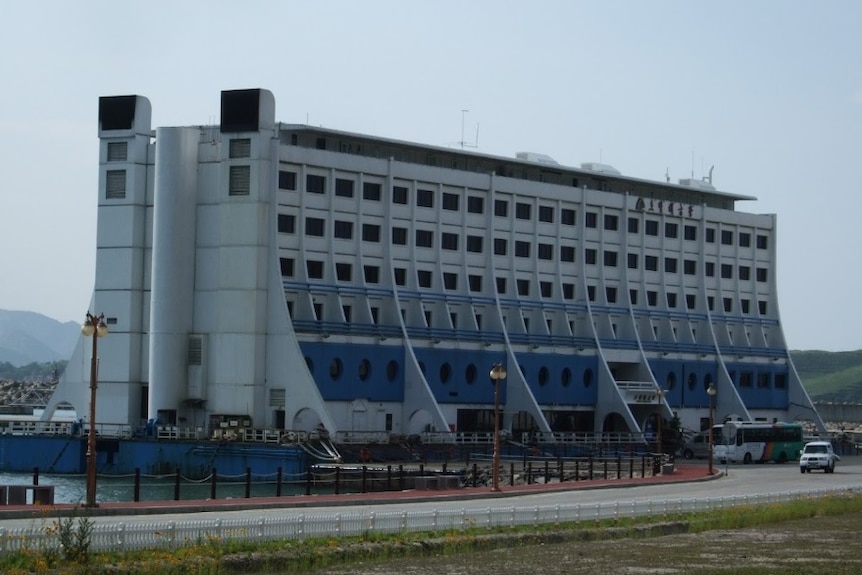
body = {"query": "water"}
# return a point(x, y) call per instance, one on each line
point(73, 489)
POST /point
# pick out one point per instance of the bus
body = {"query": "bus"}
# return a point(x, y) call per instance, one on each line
point(759, 442)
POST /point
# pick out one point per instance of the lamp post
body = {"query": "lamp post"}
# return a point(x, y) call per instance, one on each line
point(659, 394)
point(498, 372)
point(711, 392)
point(94, 326)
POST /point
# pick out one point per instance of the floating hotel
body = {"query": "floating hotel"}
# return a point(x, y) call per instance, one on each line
point(256, 275)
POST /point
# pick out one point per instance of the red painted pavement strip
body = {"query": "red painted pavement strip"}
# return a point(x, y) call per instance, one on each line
point(682, 473)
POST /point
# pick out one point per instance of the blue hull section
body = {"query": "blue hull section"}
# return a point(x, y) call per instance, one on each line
point(194, 459)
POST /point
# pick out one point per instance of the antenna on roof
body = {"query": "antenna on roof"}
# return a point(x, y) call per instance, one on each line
point(462, 142)
point(667, 174)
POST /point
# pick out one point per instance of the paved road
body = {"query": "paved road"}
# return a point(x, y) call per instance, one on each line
point(740, 480)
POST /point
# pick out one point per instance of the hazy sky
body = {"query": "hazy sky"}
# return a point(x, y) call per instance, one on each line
point(768, 92)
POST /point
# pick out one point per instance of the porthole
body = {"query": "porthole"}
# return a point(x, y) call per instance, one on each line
point(364, 369)
point(392, 370)
point(445, 372)
point(692, 381)
point(543, 376)
point(588, 377)
point(671, 380)
point(335, 368)
point(470, 374)
point(566, 377)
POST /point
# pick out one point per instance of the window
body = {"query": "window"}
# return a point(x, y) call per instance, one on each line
point(343, 230)
point(612, 222)
point(745, 306)
point(671, 300)
point(726, 271)
point(632, 261)
point(744, 240)
point(399, 236)
point(546, 251)
point(567, 217)
point(314, 269)
point(450, 281)
point(728, 304)
point(371, 191)
point(611, 294)
point(609, 258)
point(761, 307)
point(344, 188)
point(522, 249)
point(546, 289)
point(762, 242)
point(500, 246)
point(240, 181)
point(690, 301)
point(710, 269)
point(286, 267)
point(474, 244)
point(315, 184)
point(501, 285)
point(591, 293)
point(451, 202)
point(239, 148)
point(523, 287)
point(744, 273)
point(475, 205)
point(710, 302)
point(399, 195)
point(286, 224)
point(344, 272)
point(690, 233)
point(501, 208)
point(633, 225)
point(449, 241)
point(370, 233)
point(314, 227)
point(372, 274)
point(745, 379)
point(425, 198)
point(567, 253)
point(651, 227)
point(424, 238)
point(592, 219)
point(726, 237)
point(424, 278)
point(633, 296)
point(400, 276)
point(652, 298)
point(286, 180)
point(670, 265)
point(710, 235)
point(115, 184)
point(689, 267)
point(590, 256)
point(523, 211)
point(118, 151)
point(475, 282)
point(651, 263)
point(569, 291)
point(671, 230)
point(546, 214)
point(761, 274)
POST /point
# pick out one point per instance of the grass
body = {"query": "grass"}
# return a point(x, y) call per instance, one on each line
point(347, 554)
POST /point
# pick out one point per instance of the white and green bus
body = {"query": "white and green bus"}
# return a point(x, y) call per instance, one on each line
point(759, 442)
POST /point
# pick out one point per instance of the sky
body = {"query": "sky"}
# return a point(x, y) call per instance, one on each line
point(768, 92)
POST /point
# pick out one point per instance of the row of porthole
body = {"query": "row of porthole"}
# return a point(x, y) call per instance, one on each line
point(336, 370)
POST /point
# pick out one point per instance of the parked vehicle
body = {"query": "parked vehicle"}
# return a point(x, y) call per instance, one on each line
point(697, 447)
point(818, 455)
point(757, 442)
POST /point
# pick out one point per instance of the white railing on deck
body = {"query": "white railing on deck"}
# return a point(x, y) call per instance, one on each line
point(172, 534)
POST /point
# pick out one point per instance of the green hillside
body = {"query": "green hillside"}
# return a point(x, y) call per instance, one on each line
point(830, 376)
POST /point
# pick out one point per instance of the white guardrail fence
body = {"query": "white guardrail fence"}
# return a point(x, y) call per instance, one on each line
point(172, 534)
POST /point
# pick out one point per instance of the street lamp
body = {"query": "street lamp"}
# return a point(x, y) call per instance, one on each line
point(659, 394)
point(498, 372)
point(94, 326)
point(711, 392)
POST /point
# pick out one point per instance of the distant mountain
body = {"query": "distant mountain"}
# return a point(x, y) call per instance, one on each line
point(28, 337)
point(830, 376)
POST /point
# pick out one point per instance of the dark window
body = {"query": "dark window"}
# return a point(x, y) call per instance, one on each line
point(745, 306)
point(522, 249)
point(690, 233)
point(286, 180)
point(501, 285)
point(744, 273)
point(726, 237)
point(651, 227)
point(761, 274)
point(710, 269)
point(475, 205)
point(370, 233)
point(671, 230)
point(424, 277)
point(728, 304)
point(314, 227)
point(343, 230)
point(523, 211)
point(780, 380)
point(726, 271)
point(651, 263)
point(286, 224)
point(286, 267)
point(763, 379)
point(611, 294)
point(450, 281)
point(424, 238)
point(610, 258)
point(710, 235)
point(501, 208)
point(612, 222)
point(568, 291)
point(633, 225)
point(547, 289)
point(567, 217)
point(449, 241)
point(652, 298)
point(500, 246)
point(546, 214)
point(633, 296)
point(632, 261)
point(671, 300)
point(315, 184)
point(344, 272)
point(425, 198)
point(399, 195)
point(474, 244)
point(399, 236)
point(744, 240)
point(590, 256)
point(762, 243)
point(591, 293)
point(371, 191)
point(314, 269)
point(400, 276)
point(475, 282)
point(451, 202)
point(546, 251)
point(690, 301)
point(689, 267)
point(670, 265)
point(710, 302)
point(372, 274)
point(567, 253)
point(592, 219)
point(343, 188)
point(761, 307)
point(523, 287)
